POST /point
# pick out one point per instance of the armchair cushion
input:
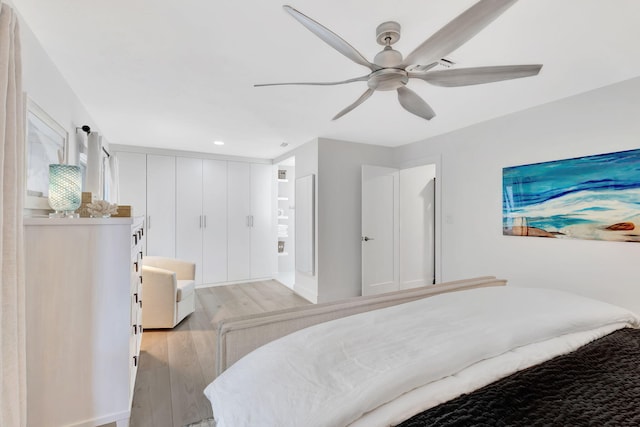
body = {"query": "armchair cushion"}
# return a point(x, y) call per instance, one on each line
point(168, 291)
point(185, 270)
point(185, 288)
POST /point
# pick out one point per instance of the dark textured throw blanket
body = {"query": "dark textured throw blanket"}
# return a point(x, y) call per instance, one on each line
point(597, 385)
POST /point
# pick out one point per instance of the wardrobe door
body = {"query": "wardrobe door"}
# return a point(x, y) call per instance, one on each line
point(238, 221)
point(161, 205)
point(214, 202)
point(263, 237)
point(189, 216)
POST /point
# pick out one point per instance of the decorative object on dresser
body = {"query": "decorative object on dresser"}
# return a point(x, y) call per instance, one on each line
point(87, 198)
point(101, 209)
point(169, 291)
point(124, 211)
point(83, 319)
point(65, 190)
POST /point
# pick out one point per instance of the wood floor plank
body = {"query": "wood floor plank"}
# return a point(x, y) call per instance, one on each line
point(152, 386)
point(177, 364)
point(187, 380)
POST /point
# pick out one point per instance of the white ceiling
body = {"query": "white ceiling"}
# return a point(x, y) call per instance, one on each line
point(180, 74)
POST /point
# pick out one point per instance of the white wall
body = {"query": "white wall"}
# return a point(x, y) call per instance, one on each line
point(600, 121)
point(45, 86)
point(339, 214)
point(417, 228)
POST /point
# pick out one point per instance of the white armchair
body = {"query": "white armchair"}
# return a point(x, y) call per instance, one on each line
point(168, 291)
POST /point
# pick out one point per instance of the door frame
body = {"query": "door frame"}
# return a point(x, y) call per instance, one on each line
point(435, 159)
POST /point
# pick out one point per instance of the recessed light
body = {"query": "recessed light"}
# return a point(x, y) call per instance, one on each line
point(218, 142)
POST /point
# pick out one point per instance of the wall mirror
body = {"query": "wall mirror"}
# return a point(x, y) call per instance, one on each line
point(305, 224)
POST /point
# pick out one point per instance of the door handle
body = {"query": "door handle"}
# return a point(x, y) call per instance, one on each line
point(149, 222)
point(200, 221)
point(205, 221)
point(366, 238)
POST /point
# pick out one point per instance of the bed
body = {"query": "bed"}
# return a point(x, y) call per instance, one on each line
point(461, 353)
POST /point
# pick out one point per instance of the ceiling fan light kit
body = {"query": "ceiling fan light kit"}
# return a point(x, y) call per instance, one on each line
point(390, 71)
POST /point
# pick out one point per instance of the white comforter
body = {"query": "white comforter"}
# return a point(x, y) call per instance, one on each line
point(381, 367)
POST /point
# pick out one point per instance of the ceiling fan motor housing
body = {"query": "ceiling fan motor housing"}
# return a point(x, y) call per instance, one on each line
point(388, 33)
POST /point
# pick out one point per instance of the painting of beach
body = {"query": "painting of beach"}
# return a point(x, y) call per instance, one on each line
point(594, 197)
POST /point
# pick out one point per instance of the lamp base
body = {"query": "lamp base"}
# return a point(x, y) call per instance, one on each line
point(64, 214)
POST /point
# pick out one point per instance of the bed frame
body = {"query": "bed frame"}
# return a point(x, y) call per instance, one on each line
point(238, 336)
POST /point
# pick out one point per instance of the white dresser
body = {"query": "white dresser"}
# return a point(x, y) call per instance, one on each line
point(83, 314)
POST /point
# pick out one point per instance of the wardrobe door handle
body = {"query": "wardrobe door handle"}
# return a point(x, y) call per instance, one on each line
point(205, 221)
point(200, 221)
point(149, 222)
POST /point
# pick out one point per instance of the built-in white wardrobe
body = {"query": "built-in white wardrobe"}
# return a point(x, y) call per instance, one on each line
point(216, 213)
point(201, 216)
point(161, 205)
point(250, 221)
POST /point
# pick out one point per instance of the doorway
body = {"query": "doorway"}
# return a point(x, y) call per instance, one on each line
point(285, 215)
point(398, 228)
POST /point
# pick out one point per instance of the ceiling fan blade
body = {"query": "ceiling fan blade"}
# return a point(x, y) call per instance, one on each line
point(476, 75)
point(356, 79)
point(359, 101)
point(421, 68)
point(411, 102)
point(457, 32)
point(331, 38)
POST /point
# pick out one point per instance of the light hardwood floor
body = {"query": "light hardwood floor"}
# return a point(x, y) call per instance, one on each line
point(177, 364)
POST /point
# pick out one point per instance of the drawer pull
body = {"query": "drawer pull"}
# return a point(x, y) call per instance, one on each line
point(135, 361)
point(136, 297)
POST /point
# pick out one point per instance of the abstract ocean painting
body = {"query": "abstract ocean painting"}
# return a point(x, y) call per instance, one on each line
point(593, 197)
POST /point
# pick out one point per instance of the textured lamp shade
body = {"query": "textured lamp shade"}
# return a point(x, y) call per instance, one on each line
point(65, 188)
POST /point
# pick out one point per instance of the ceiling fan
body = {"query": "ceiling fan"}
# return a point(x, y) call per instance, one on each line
point(389, 71)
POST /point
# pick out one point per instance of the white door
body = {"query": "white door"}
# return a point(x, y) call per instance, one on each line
point(380, 221)
point(239, 221)
point(189, 218)
point(264, 244)
point(161, 205)
point(214, 209)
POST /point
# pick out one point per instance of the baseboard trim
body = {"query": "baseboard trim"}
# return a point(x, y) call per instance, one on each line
point(235, 282)
point(118, 418)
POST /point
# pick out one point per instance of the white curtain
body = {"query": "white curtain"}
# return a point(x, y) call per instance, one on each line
point(12, 297)
point(114, 174)
point(93, 183)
